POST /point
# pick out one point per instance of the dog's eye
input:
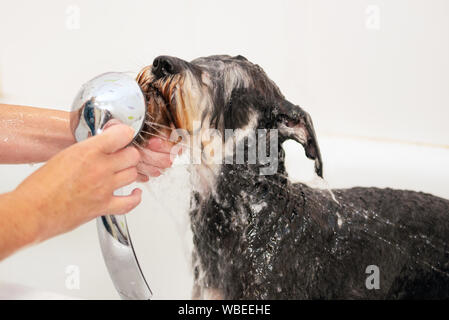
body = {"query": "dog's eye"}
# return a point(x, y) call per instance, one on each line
point(283, 120)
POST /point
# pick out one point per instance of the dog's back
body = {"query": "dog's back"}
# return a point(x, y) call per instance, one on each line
point(305, 244)
point(402, 233)
point(363, 243)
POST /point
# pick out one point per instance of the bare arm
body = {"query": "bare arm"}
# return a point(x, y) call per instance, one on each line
point(76, 184)
point(72, 188)
point(30, 134)
point(19, 228)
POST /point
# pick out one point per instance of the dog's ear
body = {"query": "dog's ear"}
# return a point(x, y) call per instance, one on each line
point(295, 123)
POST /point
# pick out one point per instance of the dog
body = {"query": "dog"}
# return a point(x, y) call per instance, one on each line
point(259, 236)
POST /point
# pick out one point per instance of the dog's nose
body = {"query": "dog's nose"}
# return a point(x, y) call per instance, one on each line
point(166, 65)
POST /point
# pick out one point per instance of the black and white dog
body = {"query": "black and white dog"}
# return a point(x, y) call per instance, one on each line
point(260, 236)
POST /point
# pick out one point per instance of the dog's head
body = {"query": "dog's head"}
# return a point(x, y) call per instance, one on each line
point(221, 92)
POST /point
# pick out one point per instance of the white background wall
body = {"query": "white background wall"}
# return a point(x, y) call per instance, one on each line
point(363, 69)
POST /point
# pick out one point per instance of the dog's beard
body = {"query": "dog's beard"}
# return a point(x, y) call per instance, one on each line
point(159, 120)
point(174, 102)
point(179, 110)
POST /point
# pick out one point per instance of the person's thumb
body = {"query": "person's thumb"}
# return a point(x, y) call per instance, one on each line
point(114, 138)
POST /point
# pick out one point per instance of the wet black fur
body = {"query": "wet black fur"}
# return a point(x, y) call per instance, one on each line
point(293, 247)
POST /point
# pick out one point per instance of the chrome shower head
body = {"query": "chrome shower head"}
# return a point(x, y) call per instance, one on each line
point(113, 96)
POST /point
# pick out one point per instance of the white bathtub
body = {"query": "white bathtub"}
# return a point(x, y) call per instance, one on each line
point(158, 225)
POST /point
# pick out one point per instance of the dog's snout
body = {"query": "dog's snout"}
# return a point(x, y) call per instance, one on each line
point(166, 65)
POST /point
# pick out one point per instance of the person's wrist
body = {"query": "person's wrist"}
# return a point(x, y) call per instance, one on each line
point(26, 217)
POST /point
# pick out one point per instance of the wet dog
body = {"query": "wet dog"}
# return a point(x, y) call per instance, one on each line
point(259, 236)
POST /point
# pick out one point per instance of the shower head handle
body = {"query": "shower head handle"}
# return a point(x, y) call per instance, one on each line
point(113, 96)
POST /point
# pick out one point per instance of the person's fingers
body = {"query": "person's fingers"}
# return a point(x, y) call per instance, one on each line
point(159, 145)
point(111, 123)
point(148, 170)
point(156, 159)
point(125, 177)
point(142, 177)
point(124, 204)
point(116, 137)
point(125, 158)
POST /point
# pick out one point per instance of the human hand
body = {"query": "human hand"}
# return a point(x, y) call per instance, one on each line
point(155, 157)
point(77, 184)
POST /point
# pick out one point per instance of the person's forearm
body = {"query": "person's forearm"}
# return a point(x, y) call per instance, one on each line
point(29, 135)
point(19, 227)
